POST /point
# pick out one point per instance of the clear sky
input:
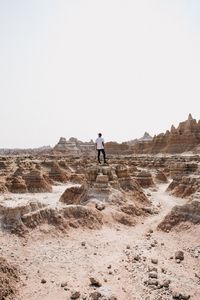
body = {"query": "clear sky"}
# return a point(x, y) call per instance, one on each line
point(77, 67)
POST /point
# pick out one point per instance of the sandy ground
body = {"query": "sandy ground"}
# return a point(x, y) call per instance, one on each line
point(118, 256)
point(50, 199)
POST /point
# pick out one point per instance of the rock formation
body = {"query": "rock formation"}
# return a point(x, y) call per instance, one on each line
point(74, 195)
point(74, 147)
point(145, 179)
point(180, 214)
point(116, 148)
point(18, 185)
point(186, 137)
point(57, 173)
point(184, 186)
point(36, 182)
point(161, 177)
point(9, 276)
point(145, 138)
point(3, 188)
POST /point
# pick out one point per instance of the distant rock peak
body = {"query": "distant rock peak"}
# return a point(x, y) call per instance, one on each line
point(190, 118)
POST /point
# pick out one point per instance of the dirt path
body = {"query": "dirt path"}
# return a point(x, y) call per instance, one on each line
point(118, 256)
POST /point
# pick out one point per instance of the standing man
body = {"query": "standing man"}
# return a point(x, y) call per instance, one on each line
point(100, 148)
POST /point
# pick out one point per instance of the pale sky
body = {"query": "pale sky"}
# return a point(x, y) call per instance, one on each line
point(74, 68)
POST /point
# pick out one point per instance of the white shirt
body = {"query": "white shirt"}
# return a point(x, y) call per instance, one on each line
point(99, 142)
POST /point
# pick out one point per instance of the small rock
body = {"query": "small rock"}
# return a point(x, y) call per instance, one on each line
point(152, 281)
point(153, 275)
point(75, 295)
point(136, 257)
point(110, 272)
point(166, 283)
point(154, 261)
point(128, 247)
point(95, 282)
point(163, 270)
point(63, 284)
point(179, 255)
point(83, 243)
point(43, 280)
point(152, 269)
point(95, 295)
point(100, 206)
point(178, 295)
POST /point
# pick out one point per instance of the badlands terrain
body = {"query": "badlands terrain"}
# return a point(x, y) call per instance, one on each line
point(73, 229)
point(127, 230)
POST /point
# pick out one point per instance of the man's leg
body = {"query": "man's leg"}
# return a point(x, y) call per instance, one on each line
point(99, 156)
point(104, 155)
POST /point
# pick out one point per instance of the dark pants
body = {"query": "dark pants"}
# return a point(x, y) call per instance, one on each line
point(104, 155)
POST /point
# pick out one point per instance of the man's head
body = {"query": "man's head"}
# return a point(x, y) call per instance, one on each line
point(99, 134)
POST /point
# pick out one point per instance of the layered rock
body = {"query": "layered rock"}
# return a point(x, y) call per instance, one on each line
point(67, 146)
point(18, 185)
point(36, 182)
point(117, 148)
point(9, 276)
point(74, 195)
point(18, 220)
point(113, 184)
point(57, 173)
point(186, 137)
point(182, 168)
point(74, 147)
point(145, 138)
point(145, 179)
point(77, 178)
point(3, 188)
point(181, 214)
point(161, 177)
point(184, 186)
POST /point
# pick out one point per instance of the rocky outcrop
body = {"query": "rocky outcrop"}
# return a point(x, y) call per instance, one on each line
point(83, 216)
point(36, 182)
point(67, 146)
point(112, 184)
point(186, 137)
point(181, 214)
point(145, 179)
point(182, 168)
point(9, 276)
point(77, 178)
point(18, 220)
point(145, 138)
point(117, 148)
point(3, 188)
point(18, 185)
point(184, 186)
point(161, 177)
point(74, 195)
point(57, 173)
point(74, 147)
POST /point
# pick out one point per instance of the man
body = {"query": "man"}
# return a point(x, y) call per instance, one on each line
point(100, 148)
